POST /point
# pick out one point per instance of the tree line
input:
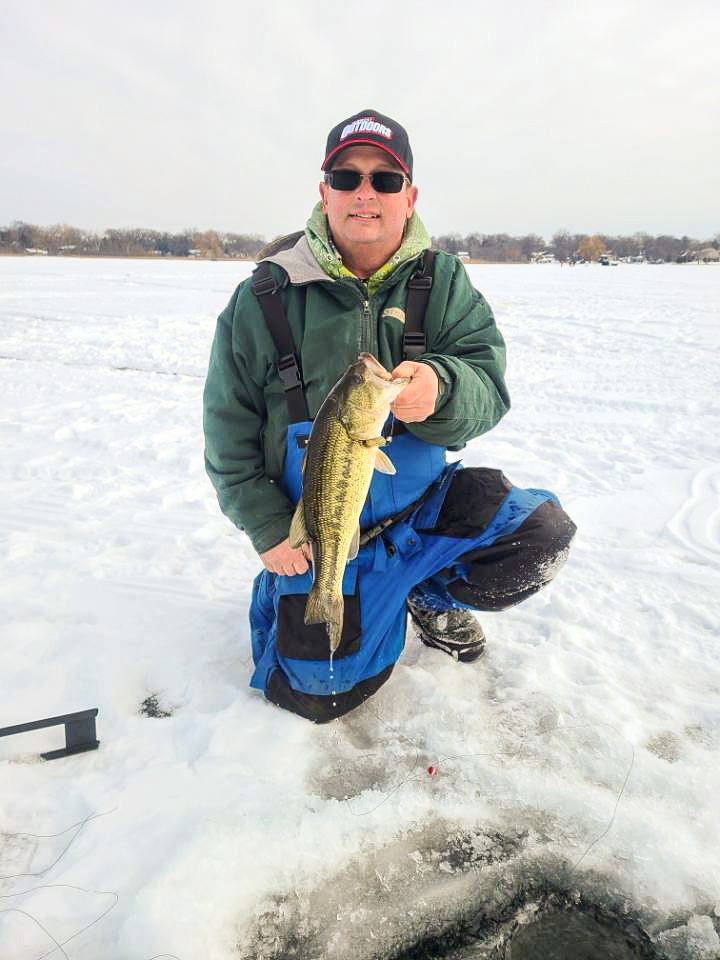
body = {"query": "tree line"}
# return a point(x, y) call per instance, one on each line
point(64, 240)
point(566, 247)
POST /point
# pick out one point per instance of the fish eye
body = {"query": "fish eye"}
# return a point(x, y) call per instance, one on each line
point(357, 379)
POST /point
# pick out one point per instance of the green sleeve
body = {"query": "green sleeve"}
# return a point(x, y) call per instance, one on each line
point(467, 352)
point(233, 420)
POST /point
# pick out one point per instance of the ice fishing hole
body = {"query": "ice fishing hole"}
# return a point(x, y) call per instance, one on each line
point(557, 932)
point(576, 935)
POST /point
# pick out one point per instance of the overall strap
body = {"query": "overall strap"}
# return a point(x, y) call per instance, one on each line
point(419, 285)
point(266, 290)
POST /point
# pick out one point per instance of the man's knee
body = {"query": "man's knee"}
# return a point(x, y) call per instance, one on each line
point(474, 497)
point(549, 528)
point(318, 708)
point(519, 564)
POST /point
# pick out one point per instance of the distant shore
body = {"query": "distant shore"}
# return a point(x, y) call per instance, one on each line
point(472, 262)
point(65, 240)
point(101, 256)
point(125, 256)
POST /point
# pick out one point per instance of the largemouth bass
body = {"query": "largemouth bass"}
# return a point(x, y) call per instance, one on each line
point(342, 452)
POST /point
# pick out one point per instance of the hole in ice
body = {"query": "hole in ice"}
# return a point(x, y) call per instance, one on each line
point(559, 932)
point(580, 934)
point(434, 893)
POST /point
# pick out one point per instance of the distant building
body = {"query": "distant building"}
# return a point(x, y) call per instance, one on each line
point(463, 255)
point(709, 255)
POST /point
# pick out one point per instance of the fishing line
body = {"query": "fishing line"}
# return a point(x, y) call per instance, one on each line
point(24, 913)
point(59, 945)
point(617, 804)
point(78, 827)
point(67, 886)
point(50, 836)
point(433, 769)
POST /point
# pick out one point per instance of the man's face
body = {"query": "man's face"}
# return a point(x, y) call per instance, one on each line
point(363, 215)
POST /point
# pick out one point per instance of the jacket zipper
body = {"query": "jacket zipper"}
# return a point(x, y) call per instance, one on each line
point(367, 333)
point(366, 337)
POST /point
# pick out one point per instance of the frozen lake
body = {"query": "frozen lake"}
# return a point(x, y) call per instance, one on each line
point(579, 760)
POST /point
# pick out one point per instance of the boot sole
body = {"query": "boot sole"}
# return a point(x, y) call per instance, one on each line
point(463, 654)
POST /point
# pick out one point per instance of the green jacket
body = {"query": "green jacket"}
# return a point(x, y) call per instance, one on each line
point(332, 320)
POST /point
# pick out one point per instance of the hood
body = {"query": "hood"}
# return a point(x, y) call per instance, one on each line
point(298, 262)
point(323, 250)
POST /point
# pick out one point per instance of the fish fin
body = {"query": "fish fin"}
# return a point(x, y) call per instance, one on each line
point(354, 544)
point(383, 463)
point(298, 531)
point(334, 632)
point(324, 607)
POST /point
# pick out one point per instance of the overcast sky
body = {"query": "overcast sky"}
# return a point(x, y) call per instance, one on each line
point(523, 116)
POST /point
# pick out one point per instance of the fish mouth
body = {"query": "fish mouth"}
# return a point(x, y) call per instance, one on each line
point(374, 366)
point(376, 372)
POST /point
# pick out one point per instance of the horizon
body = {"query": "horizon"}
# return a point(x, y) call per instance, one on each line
point(713, 237)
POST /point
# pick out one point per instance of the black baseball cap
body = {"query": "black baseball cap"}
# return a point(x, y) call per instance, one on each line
point(370, 127)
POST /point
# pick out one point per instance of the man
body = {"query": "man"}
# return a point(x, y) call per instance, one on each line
point(446, 540)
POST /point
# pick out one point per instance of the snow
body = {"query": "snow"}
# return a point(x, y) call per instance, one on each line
point(579, 754)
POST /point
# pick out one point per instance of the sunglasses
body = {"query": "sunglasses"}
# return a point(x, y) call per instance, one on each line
point(384, 181)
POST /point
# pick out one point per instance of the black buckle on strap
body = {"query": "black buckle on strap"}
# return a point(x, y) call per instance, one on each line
point(264, 286)
point(289, 372)
point(421, 281)
point(414, 343)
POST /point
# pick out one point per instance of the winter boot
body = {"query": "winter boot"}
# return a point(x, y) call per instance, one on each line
point(455, 632)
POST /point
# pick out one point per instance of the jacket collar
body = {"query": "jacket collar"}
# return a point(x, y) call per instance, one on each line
point(299, 263)
point(415, 240)
point(314, 256)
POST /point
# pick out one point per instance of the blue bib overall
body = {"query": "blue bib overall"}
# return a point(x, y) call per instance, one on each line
point(406, 557)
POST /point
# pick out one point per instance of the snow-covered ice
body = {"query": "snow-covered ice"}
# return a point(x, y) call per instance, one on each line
point(577, 759)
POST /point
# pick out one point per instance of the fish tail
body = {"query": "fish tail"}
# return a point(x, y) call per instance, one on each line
point(327, 608)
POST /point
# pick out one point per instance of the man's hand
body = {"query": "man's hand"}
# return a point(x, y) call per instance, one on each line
point(417, 400)
point(287, 560)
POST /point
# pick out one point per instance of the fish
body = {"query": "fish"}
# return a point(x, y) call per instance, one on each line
point(343, 451)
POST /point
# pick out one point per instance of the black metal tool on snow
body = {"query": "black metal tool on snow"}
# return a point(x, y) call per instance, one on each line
point(79, 732)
